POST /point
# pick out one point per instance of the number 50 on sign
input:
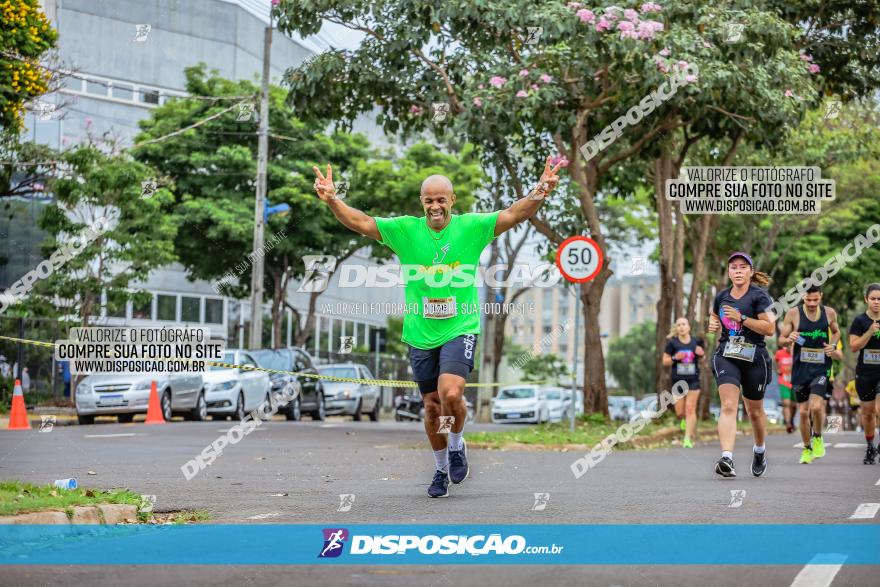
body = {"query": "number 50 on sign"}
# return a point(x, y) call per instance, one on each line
point(579, 259)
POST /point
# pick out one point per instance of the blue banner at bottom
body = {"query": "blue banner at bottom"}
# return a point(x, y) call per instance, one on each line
point(485, 544)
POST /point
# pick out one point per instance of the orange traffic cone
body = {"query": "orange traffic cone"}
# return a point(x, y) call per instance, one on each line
point(154, 408)
point(18, 419)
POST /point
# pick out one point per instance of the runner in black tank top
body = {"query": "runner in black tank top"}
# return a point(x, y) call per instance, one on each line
point(864, 339)
point(812, 330)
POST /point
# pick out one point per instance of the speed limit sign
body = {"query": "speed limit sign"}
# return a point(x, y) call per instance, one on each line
point(579, 259)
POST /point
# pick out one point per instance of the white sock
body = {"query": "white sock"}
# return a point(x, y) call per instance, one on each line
point(455, 440)
point(727, 453)
point(441, 459)
point(758, 449)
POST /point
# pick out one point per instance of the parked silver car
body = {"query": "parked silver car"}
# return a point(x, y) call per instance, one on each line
point(350, 399)
point(621, 407)
point(520, 403)
point(235, 392)
point(126, 395)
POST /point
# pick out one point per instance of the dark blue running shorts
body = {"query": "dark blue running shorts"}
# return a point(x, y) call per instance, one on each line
point(455, 357)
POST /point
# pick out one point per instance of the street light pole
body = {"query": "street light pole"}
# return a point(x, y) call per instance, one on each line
point(256, 337)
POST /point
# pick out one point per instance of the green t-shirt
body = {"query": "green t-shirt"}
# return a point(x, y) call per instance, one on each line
point(439, 271)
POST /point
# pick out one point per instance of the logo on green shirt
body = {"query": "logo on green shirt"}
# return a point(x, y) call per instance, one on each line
point(818, 333)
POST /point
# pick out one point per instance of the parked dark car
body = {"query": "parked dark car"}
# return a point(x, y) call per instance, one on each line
point(311, 396)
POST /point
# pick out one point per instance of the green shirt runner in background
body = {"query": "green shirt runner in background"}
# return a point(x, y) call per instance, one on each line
point(446, 305)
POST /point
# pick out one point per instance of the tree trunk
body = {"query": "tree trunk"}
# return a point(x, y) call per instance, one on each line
point(678, 261)
point(662, 172)
point(595, 392)
point(303, 335)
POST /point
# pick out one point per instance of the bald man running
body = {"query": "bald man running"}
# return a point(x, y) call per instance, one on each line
point(439, 253)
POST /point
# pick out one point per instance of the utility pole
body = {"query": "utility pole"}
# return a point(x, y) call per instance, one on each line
point(256, 337)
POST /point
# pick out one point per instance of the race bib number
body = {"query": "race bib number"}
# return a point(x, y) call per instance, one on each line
point(686, 369)
point(816, 356)
point(871, 357)
point(438, 308)
point(738, 348)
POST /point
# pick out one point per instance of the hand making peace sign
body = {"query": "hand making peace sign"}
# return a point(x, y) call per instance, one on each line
point(548, 182)
point(324, 185)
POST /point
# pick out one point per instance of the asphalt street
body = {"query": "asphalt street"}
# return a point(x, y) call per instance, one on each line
point(294, 472)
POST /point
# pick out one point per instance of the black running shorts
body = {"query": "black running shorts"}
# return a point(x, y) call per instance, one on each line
point(868, 386)
point(455, 357)
point(693, 383)
point(753, 377)
point(817, 386)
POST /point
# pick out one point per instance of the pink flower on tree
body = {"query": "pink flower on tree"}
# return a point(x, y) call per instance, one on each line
point(276, 2)
point(815, 68)
point(585, 15)
point(557, 159)
point(789, 94)
point(481, 86)
point(523, 72)
point(648, 28)
point(627, 30)
point(536, 87)
point(602, 25)
point(690, 78)
point(682, 64)
point(546, 78)
point(650, 7)
point(805, 57)
point(414, 109)
point(477, 102)
point(521, 94)
point(631, 15)
point(497, 81)
point(612, 13)
point(573, 5)
point(665, 52)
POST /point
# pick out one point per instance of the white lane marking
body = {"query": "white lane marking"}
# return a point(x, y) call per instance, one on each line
point(849, 445)
point(820, 571)
point(109, 435)
point(228, 429)
point(828, 445)
point(264, 516)
point(329, 425)
point(865, 511)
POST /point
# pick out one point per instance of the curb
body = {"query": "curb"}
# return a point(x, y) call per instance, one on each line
point(104, 513)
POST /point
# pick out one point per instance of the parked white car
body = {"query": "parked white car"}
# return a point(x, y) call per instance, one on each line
point(235, 392)
point(520, 403)
point(558, 402)
point(124, 395)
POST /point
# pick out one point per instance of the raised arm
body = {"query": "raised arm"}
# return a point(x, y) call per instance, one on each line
point(525, 207)
point(858, 342)
point(351, 218)
point(789, 333)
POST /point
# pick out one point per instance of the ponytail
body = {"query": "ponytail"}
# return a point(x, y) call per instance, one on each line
point(672, 331)
point(760, 278)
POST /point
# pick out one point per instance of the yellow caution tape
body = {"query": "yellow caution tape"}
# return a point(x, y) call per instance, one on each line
point(380, 382)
